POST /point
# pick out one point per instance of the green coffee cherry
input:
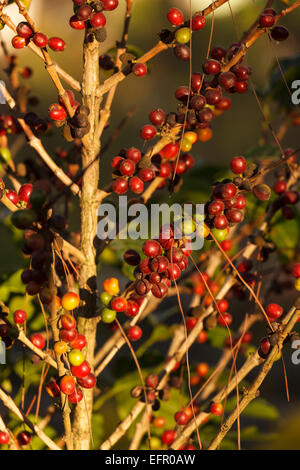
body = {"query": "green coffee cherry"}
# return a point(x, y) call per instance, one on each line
point(182, 36)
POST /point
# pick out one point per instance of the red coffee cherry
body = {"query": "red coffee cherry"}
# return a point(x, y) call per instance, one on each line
point(274, 311)
point(120, 186)
point(139, 69)
point(98, 20)
point(279, 33)
point(57, 44)
point(136, 185)
point(157, 117)
point(82, 370)
point(181, 418)
point(4, 438)
point(264, 346)
point(110, 5)
point(24, 438)
point(40, 40)
point(132, 308)
point(119, 304)
point(222, 305)
point(76, 23)
point(238, 165)
point(134, 154)
point(296, 270)
point(134, 333)
point(67, 384)
point(198, 22)
point(79, 342)
point(24, 30)
point(217, 409)
point(280, 187)
point(18, 42)
point(20, 317)
point(68, 322)
point(168, 437)
point(88, 382)
point(57, 112)
point(148, 132)
point(38, 340)
point(151, 248)
point(76, 396)
point(25, 192)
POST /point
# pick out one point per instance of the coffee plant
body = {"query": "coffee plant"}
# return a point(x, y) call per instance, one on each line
point(169, 349)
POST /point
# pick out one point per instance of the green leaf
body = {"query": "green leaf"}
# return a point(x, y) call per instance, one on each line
point(285, 234)
point(217, 336)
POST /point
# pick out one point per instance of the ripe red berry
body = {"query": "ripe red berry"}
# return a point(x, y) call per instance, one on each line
point(240, 202)
point(133, 154)
point(157, 117)
point(212, 67)
point(280, 33)
point(67, 384)
point(38, 340)
point(79, 342)
point(4, 438)
point(198, 22)
point(24, 438)
point(139, 69)
point(238, 165)
point(296, 270)
point(226, 245)
point(168, 437)
point(110, 5)
point(120, 186)
point(222, 305)
point(152, 380)
point(84, 12)
point(241, 87)
point(216, 207)
point(148, 132)
point(264, 346)
point(67, 335)
point(57, 112)
point(68, 322)
point(266, 20)
point(191, 322)
point(57, 44)
point(24, 30)
point(40, 40)
point(25, 192)
point(170, 151)
point(136, 185)
point(134, 333)
point(280, 187)
point(20, 317)
point(119, 304)
point(220, 222)
point(18, 42)
point(181, 418)
point(82, 370)
point(98, 20)
point(146, 174)
point(76, 396)
point(127, 167)
point(132, 257)
point(12, 196)
point(88, 382)
point(151, 248)
point(225, 319)
point(132, 308)
point(227, 80)
point(175, 16)
point(217, 409)
point(274, 311)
